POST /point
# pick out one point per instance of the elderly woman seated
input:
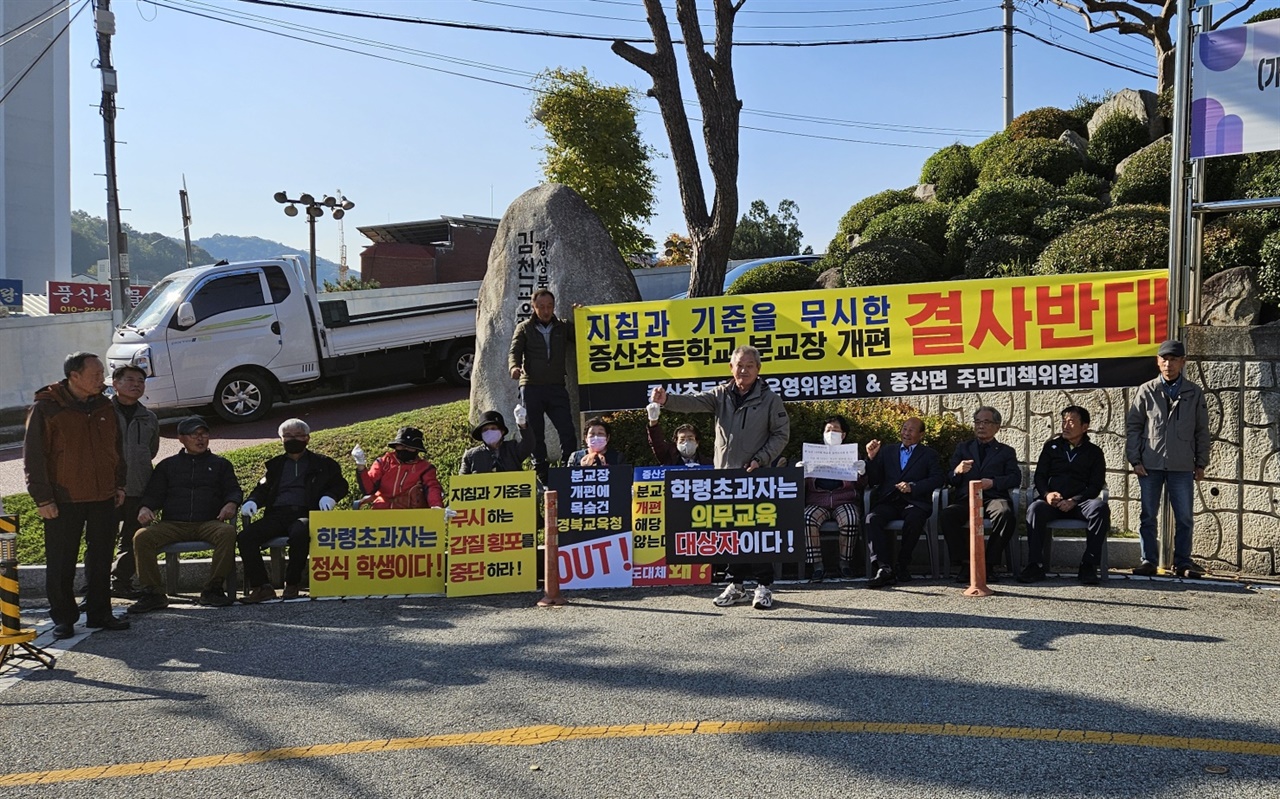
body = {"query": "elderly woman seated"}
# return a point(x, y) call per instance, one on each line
point(832, 499)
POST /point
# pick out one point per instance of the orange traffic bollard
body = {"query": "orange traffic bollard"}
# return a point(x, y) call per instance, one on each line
point(551, 555)
point(977, 544)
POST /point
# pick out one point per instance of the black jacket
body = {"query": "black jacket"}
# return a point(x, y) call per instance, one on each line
point(1077, 474)
point(529, 352)
point(324, 479)
point(192, 488)
point(509, 456)
point(924, 472)
point(1000, 465)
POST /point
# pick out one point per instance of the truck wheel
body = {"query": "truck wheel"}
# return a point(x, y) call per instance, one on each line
point(243, 395)
point(458, 366)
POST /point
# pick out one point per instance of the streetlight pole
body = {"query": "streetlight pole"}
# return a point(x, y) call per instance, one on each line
point(117, 241)
point(338, 207)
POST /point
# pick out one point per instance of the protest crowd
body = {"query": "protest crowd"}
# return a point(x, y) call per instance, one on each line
point(89, 468)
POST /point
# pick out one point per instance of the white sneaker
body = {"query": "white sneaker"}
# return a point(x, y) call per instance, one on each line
point(763, 599)
point(733, 594)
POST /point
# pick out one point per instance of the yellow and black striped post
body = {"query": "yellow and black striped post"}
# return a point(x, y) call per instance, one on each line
point(15, 642)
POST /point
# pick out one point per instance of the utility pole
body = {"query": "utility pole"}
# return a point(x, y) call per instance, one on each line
point(186, 218)
point(117, 243)
point(1007, 5)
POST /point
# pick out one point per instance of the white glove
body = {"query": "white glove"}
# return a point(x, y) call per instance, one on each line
point(521, 415)
point(327, 503)
point(653, 409)
point(449, 513)
point(249, 508)
point(358, 455)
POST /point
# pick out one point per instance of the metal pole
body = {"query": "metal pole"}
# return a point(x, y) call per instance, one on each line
point(311, 223)
point(1179, 217)
point(1199, 176)
point(117, 242)
point(1007, 5)
point(186, 218)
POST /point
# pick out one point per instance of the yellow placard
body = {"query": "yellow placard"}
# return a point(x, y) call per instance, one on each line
point(649, 565)
point(1042, 332)
point(377, 552)
point(492, 547)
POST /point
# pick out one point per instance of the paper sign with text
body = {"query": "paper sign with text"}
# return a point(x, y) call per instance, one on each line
point(735, 516)
point(833, 463)
point(492, 543)
point(377, 552)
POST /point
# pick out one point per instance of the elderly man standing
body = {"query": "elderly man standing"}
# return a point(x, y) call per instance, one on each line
point(538, 358)
point(197, 493)
point(296, 483)
point(1167, 443)
point(903, 477)
point(1070, 476)
point(140, 434)
point(75, 471)
point(752, 427)
point(996, 465)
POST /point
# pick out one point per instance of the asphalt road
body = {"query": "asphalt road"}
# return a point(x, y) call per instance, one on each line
point(320, 413)
point(1137, 688)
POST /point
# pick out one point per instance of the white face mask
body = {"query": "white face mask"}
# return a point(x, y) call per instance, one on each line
point(597, 443)
point(834, 438)
point(687, 448)
point(491, 437)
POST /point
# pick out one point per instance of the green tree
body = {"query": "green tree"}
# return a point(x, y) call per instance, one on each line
point(761, 234)
point(595, 148)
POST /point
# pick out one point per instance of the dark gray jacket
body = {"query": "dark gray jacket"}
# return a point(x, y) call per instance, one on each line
point(529, 352)
point(756, 428)
point(141, 438)
point(1164, 435)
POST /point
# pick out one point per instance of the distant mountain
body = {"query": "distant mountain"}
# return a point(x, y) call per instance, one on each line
point(151, 255)
point(252, 248)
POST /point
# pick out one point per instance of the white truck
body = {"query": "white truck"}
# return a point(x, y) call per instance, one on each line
point(242, 335)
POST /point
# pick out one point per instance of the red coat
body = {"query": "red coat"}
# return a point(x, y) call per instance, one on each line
point(399, 485)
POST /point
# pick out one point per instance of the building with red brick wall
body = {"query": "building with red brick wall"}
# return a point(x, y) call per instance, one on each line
point(450, 249)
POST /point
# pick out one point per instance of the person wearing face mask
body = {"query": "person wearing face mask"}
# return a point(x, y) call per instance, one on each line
point(832, 499)
point(295, 483)
point(597, 453)
point(496, 453)
point(683, 451)
point(402, 478)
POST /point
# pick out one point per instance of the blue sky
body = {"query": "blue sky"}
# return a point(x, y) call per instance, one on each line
point(244, 113)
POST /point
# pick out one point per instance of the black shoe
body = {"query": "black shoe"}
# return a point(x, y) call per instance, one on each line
point(215, 596)
point(61, 631)
point(125, 591)
point(846, 570)
point(108, 623)
point(1191, 572)
point(151, 600)
point(1088, 574)
point(884, 576)
point(1033, 573)
point(818, 575)
point(903, 574)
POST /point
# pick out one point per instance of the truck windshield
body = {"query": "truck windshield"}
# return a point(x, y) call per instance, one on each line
point(158, 303)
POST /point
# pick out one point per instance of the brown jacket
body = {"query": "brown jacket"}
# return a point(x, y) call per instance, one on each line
point(72, 451)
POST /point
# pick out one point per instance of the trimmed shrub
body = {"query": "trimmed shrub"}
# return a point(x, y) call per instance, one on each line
point(924, 222)
point(1120, 238)
point(862, 212)
point(1268, 271)
point(1083, 182)
point(1003, 207)
point(951, 171)
point(1232, 240)
point(1047, 159)
point(779, 276)
point(1003, 256)
point(1117, 138)
point(1145, 178)
point(1045, 123)
point(984, 148)
point(1060, 214)
point(889, 261)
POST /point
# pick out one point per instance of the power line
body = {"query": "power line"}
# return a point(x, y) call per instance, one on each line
point(631, 4)
point(1099, 59)
point(580, 14)
point(1093, 41)
point(47, 48)
point(1050, 18)
point(35, 22)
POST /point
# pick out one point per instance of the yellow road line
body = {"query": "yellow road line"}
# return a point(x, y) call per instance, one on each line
point(534, 736)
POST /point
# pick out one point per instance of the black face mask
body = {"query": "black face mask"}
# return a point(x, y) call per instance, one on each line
point(293, 446)
point(406, 455)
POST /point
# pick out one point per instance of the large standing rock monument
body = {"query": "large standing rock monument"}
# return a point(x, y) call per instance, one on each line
point(550, 239)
